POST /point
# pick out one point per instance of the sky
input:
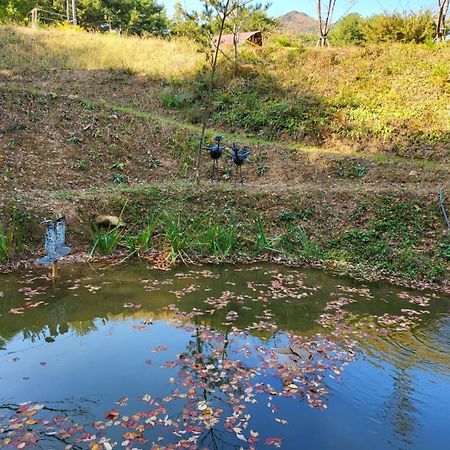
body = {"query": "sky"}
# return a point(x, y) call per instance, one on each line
point(364, 7)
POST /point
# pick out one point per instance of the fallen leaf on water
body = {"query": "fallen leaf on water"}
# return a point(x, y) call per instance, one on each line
point(112, 415)
point(160, 348)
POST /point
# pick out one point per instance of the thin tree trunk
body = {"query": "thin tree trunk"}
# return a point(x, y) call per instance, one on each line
point(74, 11)
point(441, 21)
point(209, 94)
point(325, 24)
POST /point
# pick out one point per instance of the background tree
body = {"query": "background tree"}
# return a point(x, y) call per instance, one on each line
point(400, 27)
point(349, 30)
point(17, 10)
point(325, 10)
point(212, 23)
point(441, 24)
point(132, 16)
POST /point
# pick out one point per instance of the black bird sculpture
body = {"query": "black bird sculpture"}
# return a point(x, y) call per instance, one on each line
point(215, 151)
point(239, 157)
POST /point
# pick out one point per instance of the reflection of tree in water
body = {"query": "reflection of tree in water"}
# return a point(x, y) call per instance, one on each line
point(205, 367)
point(400, 409)
point(43, 426)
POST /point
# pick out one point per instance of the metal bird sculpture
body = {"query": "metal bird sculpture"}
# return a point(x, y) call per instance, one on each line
point(215, 151)
point(239, 157)
point(54, 242)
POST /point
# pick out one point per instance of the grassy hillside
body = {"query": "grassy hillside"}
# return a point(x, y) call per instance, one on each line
point(25, 52)
point(349, 146)
point(381, 98)
point(391, 98)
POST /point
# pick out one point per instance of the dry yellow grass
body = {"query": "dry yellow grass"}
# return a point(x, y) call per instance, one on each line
point(24, 50)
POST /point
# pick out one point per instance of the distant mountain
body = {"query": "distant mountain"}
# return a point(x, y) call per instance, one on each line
point(297, 22)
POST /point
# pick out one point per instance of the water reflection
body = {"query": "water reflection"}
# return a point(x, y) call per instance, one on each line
point(223, 357)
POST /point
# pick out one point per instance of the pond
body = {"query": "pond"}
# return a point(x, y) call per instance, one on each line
point(221, 357)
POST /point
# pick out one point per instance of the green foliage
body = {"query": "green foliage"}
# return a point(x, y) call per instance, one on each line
point(349, 30)
point(172, 99)
point(416, 27)
point(176, 236)
point(296, 242)
point(389, 240)
point(144, 238)
point(252, 105)
point(219, 239)
point(139, 17)
point(106, 242)
point(445, 248)
point(203, 25)
point(12, 238)
point(397, 27)
point(262, 242)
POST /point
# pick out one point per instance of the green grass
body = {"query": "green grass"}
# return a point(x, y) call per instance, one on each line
point(12, 237)
point(177, 237)
point(218, 240)
point(106, 242)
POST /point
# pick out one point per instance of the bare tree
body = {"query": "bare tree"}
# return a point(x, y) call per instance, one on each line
point(218, 11)
point(325, 10)
point(441, 24)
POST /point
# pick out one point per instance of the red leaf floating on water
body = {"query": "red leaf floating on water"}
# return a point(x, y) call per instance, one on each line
point(275, 441)
point(160, 348)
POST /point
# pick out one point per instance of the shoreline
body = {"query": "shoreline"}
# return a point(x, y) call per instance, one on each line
point(157, 261)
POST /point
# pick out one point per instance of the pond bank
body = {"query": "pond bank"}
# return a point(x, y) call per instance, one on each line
point(389, 234)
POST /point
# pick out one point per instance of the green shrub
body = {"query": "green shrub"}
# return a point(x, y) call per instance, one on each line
point(173, 100)
point(349, 30)
point(397, 27)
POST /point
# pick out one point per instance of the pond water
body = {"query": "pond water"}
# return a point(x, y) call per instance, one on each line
point(221, 357)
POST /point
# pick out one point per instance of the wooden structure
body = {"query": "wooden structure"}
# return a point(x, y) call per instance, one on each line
point(254, 37)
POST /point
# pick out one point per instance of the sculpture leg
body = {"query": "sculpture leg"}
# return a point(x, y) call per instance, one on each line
point(55, 270)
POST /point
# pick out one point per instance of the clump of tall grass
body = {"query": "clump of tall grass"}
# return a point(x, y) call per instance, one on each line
point(12, 238)
point(262, 242)
point(296, 242)
point(106, 242)
point(142, 242)
point(176, 237)
point(26, 50)
point(219, 239)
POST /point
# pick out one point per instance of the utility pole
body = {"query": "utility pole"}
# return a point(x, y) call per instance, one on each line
point(74, 11)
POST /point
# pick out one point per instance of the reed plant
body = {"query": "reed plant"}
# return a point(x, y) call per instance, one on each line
point(12, 237)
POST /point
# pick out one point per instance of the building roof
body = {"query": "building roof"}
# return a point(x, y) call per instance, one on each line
point(227, 39)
